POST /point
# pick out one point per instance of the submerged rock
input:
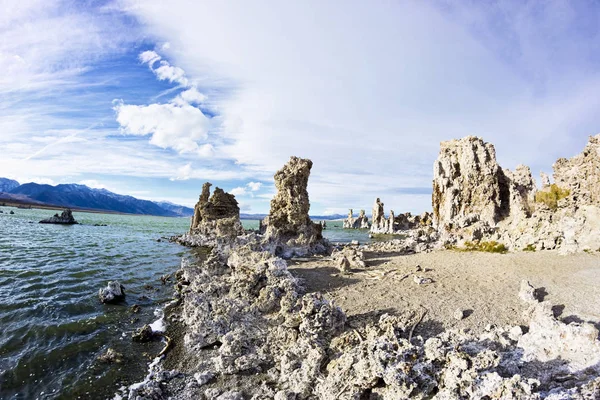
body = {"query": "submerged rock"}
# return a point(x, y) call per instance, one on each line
point(111, 356)
point(65, 218)
point(143, 334)
point(113, 293)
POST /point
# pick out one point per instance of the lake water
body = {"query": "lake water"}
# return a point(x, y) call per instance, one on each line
point(53, 325)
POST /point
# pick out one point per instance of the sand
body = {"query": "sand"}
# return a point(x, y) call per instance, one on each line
point(484, 286)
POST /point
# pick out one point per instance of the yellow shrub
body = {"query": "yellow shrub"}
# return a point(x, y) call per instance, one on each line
point(552, 196)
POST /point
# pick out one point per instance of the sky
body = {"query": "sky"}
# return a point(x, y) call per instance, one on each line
point(153, 98)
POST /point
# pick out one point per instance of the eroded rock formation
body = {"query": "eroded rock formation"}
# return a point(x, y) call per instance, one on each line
point(475, 199)
point(288, 228)
point(65, 218)
point(216, 217)
point(362, 222)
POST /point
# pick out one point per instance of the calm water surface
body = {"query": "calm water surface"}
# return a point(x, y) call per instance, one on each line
point(53, 327)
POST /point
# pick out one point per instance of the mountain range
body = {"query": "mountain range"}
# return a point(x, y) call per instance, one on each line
point(83, 197)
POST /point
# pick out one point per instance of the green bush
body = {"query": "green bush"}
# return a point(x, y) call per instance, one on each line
point(552, 196)
point(529, 247)
point(488, 247)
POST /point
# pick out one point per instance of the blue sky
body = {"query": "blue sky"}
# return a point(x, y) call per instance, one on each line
point(153, 98)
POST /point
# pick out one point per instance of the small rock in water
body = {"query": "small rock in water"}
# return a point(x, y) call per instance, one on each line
point(419, 280)
point(111, 356)
point(143, 335)
point(165, 278)
point(459, 314)
point(354, 243)
point(113, 293)
point(66, 218)
point(135, 308)
point(11, 212)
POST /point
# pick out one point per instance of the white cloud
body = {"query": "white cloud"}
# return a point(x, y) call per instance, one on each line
point(149, 57)
point(238, 191)
point(369, 96)
point(170, 126)
point(171, 73)
point(254, 186)
point(190, 96)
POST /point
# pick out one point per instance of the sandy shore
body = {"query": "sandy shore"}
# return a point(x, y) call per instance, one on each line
point(485, 286)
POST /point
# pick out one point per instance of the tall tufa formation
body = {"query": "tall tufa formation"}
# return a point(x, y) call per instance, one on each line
point(288, 227)
point(198, 208)
point(468, 184)
point(217, 215)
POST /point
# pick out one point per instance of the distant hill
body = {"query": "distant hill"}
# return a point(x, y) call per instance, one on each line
point(81, 196)
point(6, 185)
point(181, 211)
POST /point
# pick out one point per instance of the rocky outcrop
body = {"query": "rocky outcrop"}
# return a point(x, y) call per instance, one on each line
point(288, 229)
point(581, 174)
point(113, 293)
point(475, 199)
point(362, 222)
point(65, 218)
point(216, 217)
point(250, 329)
point(468, 184)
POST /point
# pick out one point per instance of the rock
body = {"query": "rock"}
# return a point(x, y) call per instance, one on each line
point(135, 308)
point(545, 180)
point(527, 292)
point(288, 227)
point(354, 242)
point(344, 265)
point(468, 184)
point(11, 212)
point(379, 223)
point(111, 356)
point(216, 217)
point(113, 293)
point(459, 314)
point(143, 334)
point(362, 222)
point(474, 199)
point(66, 218)
point(419, 280)
point(203, 378)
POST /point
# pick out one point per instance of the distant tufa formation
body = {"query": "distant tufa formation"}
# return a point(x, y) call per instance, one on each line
point(285, 232)
point(476, 199)
point(362, 222)
point(65, 218)
point(397, 224)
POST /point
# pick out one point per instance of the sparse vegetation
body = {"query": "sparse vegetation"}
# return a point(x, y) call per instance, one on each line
point(552, 196)
point(529, 247)
point(487, 247)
